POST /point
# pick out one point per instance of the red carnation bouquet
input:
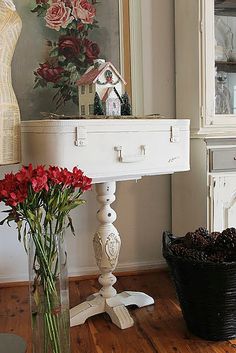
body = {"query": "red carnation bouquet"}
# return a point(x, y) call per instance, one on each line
point(40, 201)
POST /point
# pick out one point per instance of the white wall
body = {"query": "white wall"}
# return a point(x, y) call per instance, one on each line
point(143, 208)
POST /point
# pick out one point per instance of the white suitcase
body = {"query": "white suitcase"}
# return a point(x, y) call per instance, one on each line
point(109, 149)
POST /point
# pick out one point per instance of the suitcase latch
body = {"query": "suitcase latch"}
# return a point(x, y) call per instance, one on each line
point(81, 136)
point(174, 134)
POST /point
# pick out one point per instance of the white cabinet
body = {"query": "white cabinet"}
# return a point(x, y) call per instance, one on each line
point(206, 196)
point(205, 32)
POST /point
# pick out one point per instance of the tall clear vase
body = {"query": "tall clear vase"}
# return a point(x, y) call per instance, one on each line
point(49, 293)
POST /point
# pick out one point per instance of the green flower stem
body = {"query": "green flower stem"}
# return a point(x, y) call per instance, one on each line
point(51, 296)
point(52, 327)
point(44, 266)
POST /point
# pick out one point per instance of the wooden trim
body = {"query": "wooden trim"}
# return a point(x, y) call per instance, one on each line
point(92, 277)
point(126, 47)
point(136, 56)
point(14, 284)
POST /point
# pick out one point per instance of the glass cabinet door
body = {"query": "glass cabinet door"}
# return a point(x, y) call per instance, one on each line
point(225, 57)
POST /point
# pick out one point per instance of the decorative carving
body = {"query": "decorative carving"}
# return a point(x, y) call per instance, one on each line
point(98, 247)
point(112, 248)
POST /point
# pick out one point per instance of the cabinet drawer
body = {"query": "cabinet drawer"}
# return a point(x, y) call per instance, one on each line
point(223, 159)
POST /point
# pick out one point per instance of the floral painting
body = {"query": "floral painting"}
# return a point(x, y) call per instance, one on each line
point(59, 41)
point(73, 51)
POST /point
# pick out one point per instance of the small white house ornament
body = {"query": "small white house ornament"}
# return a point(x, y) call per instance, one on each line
point(103, 79)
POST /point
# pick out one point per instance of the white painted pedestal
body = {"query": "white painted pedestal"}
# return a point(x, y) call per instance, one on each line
point(107, 244)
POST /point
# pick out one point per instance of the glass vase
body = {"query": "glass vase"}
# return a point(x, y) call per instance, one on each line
point(49, 293)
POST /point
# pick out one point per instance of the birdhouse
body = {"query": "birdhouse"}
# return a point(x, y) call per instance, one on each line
point(104, 79)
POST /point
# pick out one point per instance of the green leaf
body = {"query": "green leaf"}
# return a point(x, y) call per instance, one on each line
point(54, 52)
point(74, 77)
point(72, 25)
point(25, 238)
point(49, 217)
point(61, 58)
point(70, 224)
point(72, 205)
point(40, 10)
point(19, 226)
point(30, 215)
point(63, 31)
point(35, 9)
point(3, 221)
point(82, 57)
point(37, 84)
point(71, 67)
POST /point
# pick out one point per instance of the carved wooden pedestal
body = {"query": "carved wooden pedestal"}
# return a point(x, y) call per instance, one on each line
point(107, 247)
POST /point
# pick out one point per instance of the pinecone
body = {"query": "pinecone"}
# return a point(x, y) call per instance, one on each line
point(212, 240)
point(202, 231)
point(195, 241)
point(178, 249)
point(226, 240)
point(190, 254)
point(196, 255)
point(219, 257)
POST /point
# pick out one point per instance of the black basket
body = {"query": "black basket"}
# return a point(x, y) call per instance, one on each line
point(206, 292)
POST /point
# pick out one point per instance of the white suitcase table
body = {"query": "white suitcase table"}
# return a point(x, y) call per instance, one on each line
point(109, 151)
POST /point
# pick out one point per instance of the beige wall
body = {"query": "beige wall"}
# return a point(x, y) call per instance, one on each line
point(144, 207)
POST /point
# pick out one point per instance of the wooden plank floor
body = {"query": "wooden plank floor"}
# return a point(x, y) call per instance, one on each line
point(158, 328)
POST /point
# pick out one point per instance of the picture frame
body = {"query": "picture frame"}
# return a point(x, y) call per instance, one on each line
point(33, 102)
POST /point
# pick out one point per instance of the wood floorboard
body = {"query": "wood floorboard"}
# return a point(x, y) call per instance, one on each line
point(158, 328)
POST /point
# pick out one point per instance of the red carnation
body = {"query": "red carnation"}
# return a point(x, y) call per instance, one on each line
point(85, 183)
point(25, 174)
point(39, 183)
point(54, 175)
point(50, 73)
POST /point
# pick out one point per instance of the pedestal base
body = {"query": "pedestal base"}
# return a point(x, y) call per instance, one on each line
point(115, 307)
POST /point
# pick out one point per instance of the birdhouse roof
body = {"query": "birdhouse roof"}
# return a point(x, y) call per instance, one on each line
point(93, 73)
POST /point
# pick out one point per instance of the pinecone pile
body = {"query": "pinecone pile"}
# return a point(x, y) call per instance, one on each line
point(207, 247)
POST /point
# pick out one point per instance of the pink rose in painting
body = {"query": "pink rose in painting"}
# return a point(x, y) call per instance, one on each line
point(58, 15)
point(83, 10)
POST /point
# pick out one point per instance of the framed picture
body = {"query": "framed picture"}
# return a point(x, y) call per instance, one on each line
point(112, 34)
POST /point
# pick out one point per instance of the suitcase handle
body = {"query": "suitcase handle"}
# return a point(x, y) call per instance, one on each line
point(131, 159)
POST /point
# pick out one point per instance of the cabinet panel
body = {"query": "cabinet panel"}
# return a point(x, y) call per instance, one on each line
point(224, 202)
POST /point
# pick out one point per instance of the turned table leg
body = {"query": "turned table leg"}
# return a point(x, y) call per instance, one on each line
point(107, 244)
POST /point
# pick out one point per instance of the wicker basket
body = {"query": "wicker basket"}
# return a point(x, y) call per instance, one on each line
point(206, 292)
